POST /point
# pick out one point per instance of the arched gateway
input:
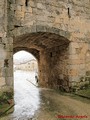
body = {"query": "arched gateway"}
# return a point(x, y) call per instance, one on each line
point(51, 51)
point(55, 32)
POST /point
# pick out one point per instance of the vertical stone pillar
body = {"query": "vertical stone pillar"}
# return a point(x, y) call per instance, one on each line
point(6, 72)
point(2, 57)
point(3, 41)
point(6, 49)
point(8, 62)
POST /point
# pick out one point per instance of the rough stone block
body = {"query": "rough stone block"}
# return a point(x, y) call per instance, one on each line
point(73, 56)
point(18, 7)
point(19, 14)
point(33, 28)
point(20, 2)
point(31, 3)
point(40, 6)
point(1, 34)
point(73, 72)
point(27, 23)
point(29, 9)
point(9, 81)
point(57, 20)
point(3, 52)
point(2, 81)
point(40, 28)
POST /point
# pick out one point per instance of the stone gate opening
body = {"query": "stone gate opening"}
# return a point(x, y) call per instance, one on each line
point(26, 62)
point(26, 91)
point(57, 33)
point(52, 53)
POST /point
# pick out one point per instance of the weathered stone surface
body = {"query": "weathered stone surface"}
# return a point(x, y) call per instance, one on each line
point(20, 2)
point(56, 32)
point(40, 6)
point(2, 81)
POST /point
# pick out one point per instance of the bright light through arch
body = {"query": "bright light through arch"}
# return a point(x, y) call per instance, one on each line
point(23, 56)
point(24, 60)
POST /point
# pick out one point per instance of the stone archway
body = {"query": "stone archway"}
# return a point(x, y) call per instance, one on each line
point(23, 18)
point(60, 61)
point(51, 51)
point(34, 52)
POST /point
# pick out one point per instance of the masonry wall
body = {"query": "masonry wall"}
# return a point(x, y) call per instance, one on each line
point(3, 39)
point(72, 16)
point(6, 77)
point(54, 68)
point(68, 18)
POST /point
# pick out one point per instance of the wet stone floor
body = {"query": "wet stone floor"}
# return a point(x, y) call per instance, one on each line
point(27, 96)
point(34, 103)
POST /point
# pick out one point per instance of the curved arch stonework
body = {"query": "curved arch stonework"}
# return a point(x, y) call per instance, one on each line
point(19, 31)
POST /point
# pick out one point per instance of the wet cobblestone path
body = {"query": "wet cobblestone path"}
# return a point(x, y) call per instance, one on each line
point(27, 98)
point(33, 103)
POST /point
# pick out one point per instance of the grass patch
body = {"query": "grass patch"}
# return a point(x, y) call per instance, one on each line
point(85, 92)
point(76, 96)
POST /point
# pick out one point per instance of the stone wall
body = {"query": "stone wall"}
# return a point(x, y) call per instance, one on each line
point(71, 17)
point(63, 70)
point(6, 48)
point(67, 18)
point(6, 73)
point(54, 67)
point(78, 63)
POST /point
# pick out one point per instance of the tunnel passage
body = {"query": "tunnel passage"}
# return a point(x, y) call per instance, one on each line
point(51, 51)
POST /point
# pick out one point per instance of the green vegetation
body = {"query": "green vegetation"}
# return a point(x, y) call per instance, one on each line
point(5, 97)
point(84, 92)
point(80, 95)
point(6, 101)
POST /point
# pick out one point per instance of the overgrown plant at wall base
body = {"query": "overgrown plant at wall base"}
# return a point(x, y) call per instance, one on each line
point(6, 102)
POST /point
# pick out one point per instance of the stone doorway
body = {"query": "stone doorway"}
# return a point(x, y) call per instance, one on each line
point(52, 53)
